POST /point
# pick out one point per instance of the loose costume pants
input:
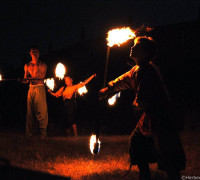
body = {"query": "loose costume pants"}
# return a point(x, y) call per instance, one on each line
point(37, 114)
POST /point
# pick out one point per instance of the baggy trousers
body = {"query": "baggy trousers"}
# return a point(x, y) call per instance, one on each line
point(37, 113)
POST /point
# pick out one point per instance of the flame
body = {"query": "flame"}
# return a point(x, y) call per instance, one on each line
point(113, 99)
point(0, 77)
point(94, 140)
point(82, 90)
point(60, 70)
point(50, 83)
point(119, 36)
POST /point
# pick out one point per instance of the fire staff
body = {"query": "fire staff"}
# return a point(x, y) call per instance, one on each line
point(68, 92)
point(154, 139)
point(37, 113)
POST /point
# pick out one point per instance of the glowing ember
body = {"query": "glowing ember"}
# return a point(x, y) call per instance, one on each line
point(50, 83)
point(0, 77)
point(60, 70)
point(119, 36)
point(82, 90)
point(93, 143)
point(113, 99)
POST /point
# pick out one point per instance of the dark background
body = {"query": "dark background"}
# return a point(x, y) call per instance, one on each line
point(75, 34)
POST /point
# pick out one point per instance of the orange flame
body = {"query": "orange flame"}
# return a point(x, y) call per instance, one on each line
point(50, 83)
point(93, 140)
point(0, 77)
point(113, 99)
point(60, 70)
point(119, 36)
point(82, 90)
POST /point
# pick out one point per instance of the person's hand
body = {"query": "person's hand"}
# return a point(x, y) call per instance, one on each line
point(103, 93)
point(24, 81)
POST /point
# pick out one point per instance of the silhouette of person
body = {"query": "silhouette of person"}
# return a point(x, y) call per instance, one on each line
point(37, 112)
point(68, 93)
point(154, 138)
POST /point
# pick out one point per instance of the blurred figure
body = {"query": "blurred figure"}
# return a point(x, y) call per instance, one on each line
point(68, 92)
point(37, 113)
point(154, 139)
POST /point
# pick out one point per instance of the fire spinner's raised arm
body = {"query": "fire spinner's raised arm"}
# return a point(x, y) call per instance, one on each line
point(125, 81)
point(89, 79)
point(85, 82)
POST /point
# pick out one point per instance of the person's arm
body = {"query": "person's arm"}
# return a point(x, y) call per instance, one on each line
point(58, 93)
point(89, 79)
point(123, 82)
point(26, 74)
point(80, 85)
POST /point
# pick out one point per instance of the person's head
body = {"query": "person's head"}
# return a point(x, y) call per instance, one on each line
point(68, 81)
point(144, 50)
point(34, 52)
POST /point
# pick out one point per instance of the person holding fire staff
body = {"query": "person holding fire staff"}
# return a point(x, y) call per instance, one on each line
point(37, 113)
point(68, 92)
point(154, 138)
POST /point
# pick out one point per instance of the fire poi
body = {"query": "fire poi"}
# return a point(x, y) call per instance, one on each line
point(113, 99)
point(50, 83)
point(115, 37)
point(60, 71)
point(94, 144)
point(82, 90)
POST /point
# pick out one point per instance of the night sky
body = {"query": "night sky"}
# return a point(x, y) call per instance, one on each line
point(59, 23)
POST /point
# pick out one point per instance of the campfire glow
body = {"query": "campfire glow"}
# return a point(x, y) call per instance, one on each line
point(93, 142)
point(50, 83)
point(119, 36)
point(113, 99)
point(82, 90)
point(60, 70)
point(0, 77)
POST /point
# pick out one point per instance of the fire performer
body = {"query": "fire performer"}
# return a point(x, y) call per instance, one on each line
point(37, 113)
point(68, 92)
point(154, 138)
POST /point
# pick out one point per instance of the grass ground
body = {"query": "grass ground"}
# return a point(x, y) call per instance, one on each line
point(71, 157)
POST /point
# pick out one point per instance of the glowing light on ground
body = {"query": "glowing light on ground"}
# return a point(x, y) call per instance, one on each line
point(50, 83)
point(0, 77)
point(119, 36)
point(60, 70)
point(85, 167)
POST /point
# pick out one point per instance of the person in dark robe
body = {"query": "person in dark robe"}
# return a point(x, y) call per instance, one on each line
point(154, 138)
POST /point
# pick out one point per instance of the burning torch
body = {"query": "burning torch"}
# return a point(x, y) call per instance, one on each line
point(115, 37)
